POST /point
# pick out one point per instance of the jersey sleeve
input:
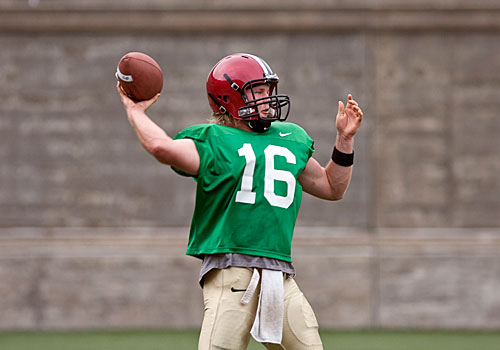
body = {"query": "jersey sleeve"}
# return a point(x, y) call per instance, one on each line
point(305, 139)
point(310, 144)
point(199, 134)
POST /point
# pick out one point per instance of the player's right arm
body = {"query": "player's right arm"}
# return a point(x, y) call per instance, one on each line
point(181, 154)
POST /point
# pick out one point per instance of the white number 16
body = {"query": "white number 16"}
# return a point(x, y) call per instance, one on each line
point(245, 194)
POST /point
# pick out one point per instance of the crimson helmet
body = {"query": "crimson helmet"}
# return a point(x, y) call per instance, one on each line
point(232, 76)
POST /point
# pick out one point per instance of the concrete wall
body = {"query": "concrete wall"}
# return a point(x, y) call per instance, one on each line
point(93, 231)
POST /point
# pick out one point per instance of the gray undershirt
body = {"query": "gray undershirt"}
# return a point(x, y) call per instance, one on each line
point(222, 261)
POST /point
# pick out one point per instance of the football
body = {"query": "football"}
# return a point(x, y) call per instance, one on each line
point(140, 76)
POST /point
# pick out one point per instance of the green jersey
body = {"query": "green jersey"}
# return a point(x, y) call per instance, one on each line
point(248, 196)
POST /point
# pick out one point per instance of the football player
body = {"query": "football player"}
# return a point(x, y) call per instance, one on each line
point(250, 169)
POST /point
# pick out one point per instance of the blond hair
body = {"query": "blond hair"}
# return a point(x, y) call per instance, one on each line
point(221, 119)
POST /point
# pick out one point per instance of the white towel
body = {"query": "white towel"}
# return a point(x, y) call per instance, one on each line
point(268, 324)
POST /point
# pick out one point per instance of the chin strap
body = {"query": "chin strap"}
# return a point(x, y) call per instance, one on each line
point(259, 125)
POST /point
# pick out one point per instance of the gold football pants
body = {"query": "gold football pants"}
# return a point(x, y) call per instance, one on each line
point(227, 322)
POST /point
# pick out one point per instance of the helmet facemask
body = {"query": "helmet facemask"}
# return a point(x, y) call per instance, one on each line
point(278, 105)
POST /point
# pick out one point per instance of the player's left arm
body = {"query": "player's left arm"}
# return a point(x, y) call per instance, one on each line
point(331, 182)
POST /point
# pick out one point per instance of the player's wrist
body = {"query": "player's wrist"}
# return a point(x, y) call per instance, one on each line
point(341, 158)
point(344, 143)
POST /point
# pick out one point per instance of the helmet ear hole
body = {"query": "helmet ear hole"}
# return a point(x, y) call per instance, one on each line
point(225, 98)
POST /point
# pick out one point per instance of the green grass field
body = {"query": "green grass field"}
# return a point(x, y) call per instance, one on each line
point(181, 340)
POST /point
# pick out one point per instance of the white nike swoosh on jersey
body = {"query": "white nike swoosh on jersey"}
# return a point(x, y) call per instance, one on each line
point(285, 134)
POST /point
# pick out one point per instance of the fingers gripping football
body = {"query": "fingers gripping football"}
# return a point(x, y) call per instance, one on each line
point(130, 105)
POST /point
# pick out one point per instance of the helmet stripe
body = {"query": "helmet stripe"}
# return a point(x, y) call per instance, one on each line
point(265, 67)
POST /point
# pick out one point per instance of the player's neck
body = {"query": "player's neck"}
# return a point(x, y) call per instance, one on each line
point(242, 125)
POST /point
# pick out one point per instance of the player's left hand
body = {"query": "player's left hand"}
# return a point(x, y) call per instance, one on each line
point(348, 118)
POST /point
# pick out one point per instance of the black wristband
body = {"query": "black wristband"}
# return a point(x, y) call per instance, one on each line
point(342, 159)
